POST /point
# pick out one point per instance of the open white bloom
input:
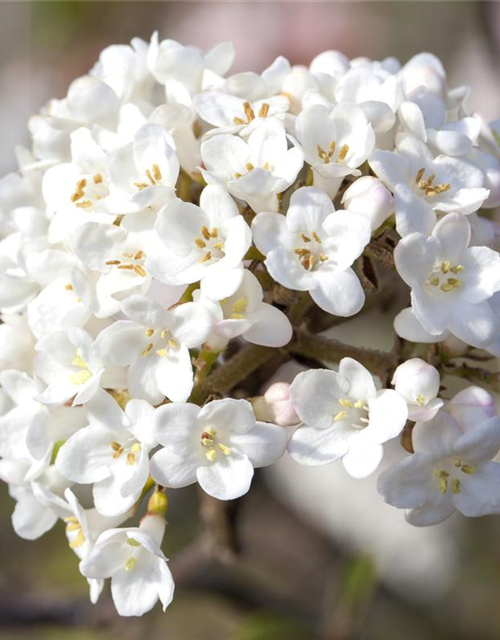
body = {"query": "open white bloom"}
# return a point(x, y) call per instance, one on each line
point(423, 184)
point(143, 173)
point(218, 446)
point(335, 143)
point(74, 189)
point(418, 383)
point(117, 258)
point(451, 282)
point(246, 314)
point(424, 116)
point(344, 416)
point(256, 170)
point(451, 467)
point(68, 363)
point(134, 561)
point(205, 243)
point(154, 343)
point(111, 452)
point(312, 249)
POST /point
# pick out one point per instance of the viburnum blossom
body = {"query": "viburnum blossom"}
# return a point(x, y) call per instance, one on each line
point(175, 233)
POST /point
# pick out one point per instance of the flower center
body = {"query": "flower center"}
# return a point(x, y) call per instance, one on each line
point(238, 308)
point(427, 185)
point(309, 252)
point(328, 156)
point(250, 113)
point(354, 410)
point(446, 482)
point(210, 441)
point(82, 376)
point(88, 191)
point(443, 277)
point(210, 245)
point(153, 178)
point(119, 449)
point(163, 339)
point(133, 262)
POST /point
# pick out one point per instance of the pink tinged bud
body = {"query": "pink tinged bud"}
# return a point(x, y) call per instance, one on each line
point(278, 398)
point(472, 406)
point(369, 197)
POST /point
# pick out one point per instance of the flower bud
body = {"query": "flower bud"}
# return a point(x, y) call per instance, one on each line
point(369, 197)
point(158, 504)
point(278, 398)
point(418, 382)
point(472, 405)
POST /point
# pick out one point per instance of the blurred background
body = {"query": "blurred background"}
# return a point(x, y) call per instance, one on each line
point(323, 558)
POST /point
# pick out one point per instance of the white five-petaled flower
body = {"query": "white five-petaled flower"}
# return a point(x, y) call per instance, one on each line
point(418, 383)
point(68, 363)
point(312, 249)
point(344, 416)
point(134, 561)
point(154, 343)
point(256, 170)
point(112, 452)
point(451, 467)
point(205, 243)
point(218, 446)
point(451, 282)
point(423, 184)
point(335, 143)
point(246, 314)
point(142, 173)
point(117, 258)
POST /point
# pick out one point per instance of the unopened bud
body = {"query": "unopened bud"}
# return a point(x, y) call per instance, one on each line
point(369, 197)
point(278, 398)
point(158, 503)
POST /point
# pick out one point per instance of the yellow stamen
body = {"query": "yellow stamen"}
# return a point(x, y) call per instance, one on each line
point(264, 110)
point(211, 454)
point(249, 112)
point(149, 332)
point(200, 243)
point(156, 172)
point(147, 349)
point(97, 178)
point(130, 564)
point(81, 377)
point(455, 486)
point(205, 232)
point(344, 149)
point(225, 450)
point(206, 257)
point(340, 415)
point(345, 402)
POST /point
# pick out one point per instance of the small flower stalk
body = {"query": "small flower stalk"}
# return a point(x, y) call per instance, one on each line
point(176, 232)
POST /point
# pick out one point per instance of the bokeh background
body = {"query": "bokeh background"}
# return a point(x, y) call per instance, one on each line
point(323, 558)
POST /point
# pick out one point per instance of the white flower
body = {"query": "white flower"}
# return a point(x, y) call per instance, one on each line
point(142, 173)
point(17, 344)
point(155, 344)
point(424, 116)
point(30, 431)
point(117, 257)
point(344, 417)
point(257, 170)
point(234, 114)
point(134, 561)
point(451, 282)
point(313, 248)
point(451, 467)
point(335, 143)
point(218, 446)
point(67, 362)
point(246, 314)
point(73, 190)
point(171, 62)
point(418, 383)
point(368, 197)
point(205, 243)
point(423, 184)
point(112, 452)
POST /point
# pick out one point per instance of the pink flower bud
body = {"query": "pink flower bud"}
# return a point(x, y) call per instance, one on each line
point(370, 198)
point(278, 398)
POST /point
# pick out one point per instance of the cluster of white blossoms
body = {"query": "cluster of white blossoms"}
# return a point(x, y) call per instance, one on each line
point(171, 224)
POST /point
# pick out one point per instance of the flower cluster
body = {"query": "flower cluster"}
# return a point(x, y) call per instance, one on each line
point(171, 224)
